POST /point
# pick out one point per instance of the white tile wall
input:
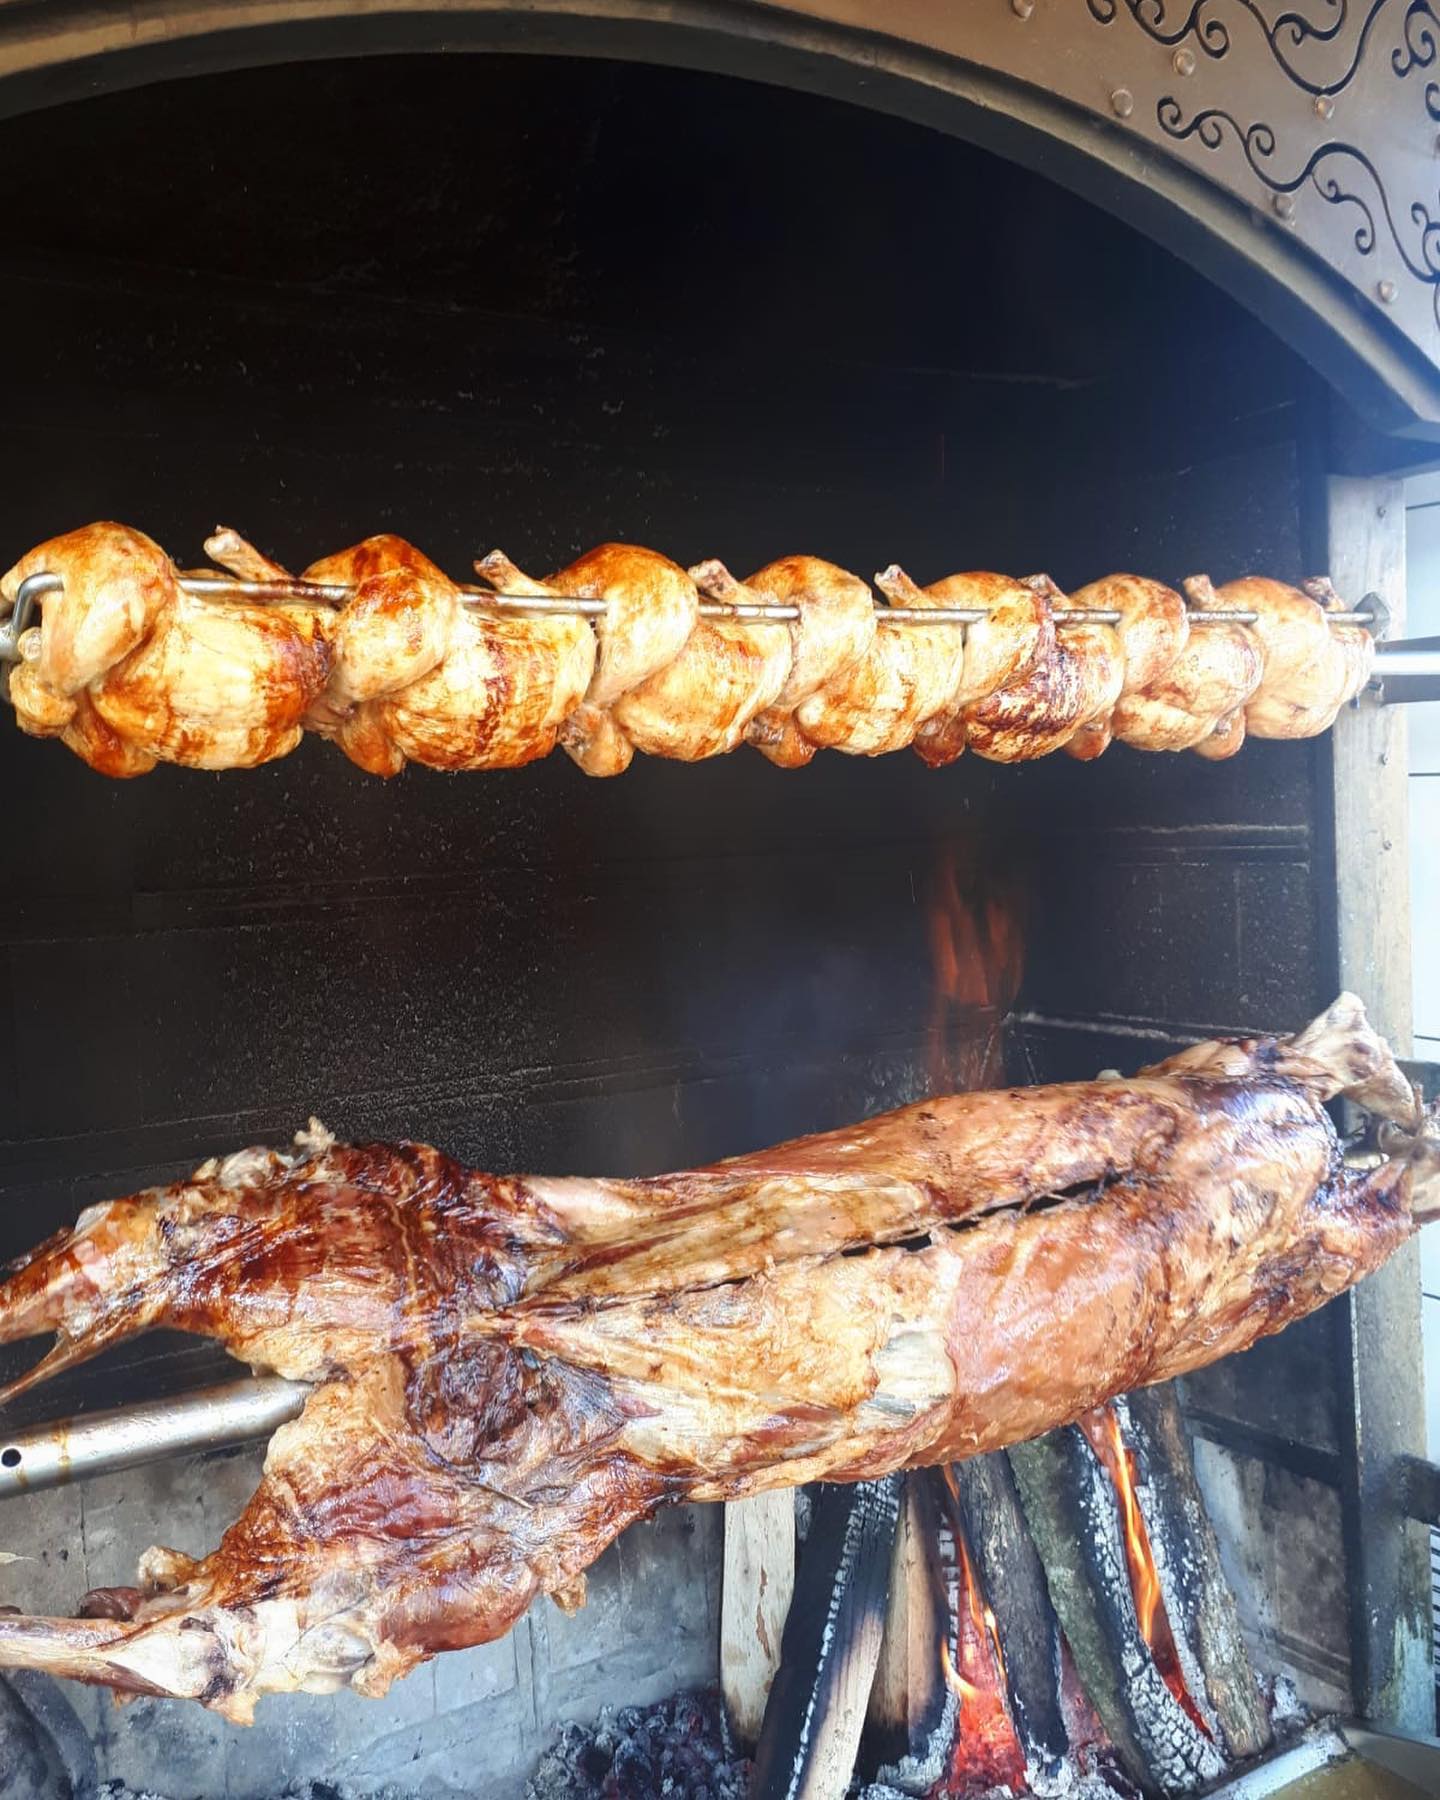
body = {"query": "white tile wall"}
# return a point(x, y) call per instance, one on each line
point(1422, 569)
point(1422, 609)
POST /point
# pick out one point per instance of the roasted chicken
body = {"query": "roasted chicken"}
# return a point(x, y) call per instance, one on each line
point(831, 637)
point(1153, 631)
point(507, 1370)
point(129, 670)
point(1002, 652)
point(393, 661)
point(1077, 681)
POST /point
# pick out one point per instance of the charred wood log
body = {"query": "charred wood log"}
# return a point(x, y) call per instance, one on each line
point(816, 1710)
point(1073, 1512)
point(913, 1709)
point(1012, 1578)
point(1197, 1596)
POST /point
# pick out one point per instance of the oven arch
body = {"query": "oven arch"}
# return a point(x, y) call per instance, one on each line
point(961, 71)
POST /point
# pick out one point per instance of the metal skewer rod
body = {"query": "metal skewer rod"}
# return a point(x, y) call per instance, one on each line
point(43, 1456)
point(331, 593)
point(567, 606)
point(335, 593)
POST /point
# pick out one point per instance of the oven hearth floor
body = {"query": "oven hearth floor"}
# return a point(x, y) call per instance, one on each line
point(474, 1722)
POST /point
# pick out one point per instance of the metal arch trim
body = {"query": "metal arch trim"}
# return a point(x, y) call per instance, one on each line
point(60, 50)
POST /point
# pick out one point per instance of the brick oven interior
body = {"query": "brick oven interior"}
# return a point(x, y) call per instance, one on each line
point(539, 303)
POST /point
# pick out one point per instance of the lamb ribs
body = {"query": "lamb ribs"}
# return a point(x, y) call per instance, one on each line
point(507, 1371)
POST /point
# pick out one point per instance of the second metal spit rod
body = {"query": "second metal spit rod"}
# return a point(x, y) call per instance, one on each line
point(43, 1456)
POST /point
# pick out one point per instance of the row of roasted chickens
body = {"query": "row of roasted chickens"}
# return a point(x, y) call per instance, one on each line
point(129, 669)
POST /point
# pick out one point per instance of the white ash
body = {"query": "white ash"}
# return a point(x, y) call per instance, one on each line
point(1071, 1784)
point(674, 1751)
point(1286, 1708)
point(310, 1790)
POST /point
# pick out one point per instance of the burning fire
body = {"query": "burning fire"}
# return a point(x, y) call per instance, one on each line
point(976, 949)
point(1102, 1429)
point(1144, 1575)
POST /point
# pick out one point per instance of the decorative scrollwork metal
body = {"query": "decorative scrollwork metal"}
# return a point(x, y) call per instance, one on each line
point(1285, 126)
point(1258, 143)
point(1284, 36)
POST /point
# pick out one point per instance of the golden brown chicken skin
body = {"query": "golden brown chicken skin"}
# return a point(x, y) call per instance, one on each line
point(1076, 676)
point(134, 662)
point(422, 677)
point(1001, 649)
point(1153, 630)
point(651, 611)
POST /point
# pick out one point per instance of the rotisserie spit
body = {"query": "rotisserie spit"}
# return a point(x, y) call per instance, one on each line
point(506, 1371)
point(134, 662)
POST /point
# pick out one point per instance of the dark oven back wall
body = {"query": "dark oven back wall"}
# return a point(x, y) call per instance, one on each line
point(533, 969)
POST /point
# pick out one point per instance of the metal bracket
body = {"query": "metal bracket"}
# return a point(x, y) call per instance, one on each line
point(1408, 670)
point(28, 595)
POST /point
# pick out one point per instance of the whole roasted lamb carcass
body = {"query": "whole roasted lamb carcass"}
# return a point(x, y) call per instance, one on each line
point(508, 1370)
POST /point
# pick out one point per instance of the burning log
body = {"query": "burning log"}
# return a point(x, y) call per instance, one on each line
point(1012, 1577)
point(1078, 1519)
point(987, 1754)
point(913, 1709)
point(831, 1646)
point(1197, 1597)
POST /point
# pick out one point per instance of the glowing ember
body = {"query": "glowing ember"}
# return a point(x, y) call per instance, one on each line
point(1102, 1429)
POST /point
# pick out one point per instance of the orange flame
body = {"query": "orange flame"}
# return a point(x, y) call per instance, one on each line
point(965, 1691)
point(976, 950)
point(1144, 1575)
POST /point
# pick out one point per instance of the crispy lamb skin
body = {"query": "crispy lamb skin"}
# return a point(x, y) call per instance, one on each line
point(508, 1371)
